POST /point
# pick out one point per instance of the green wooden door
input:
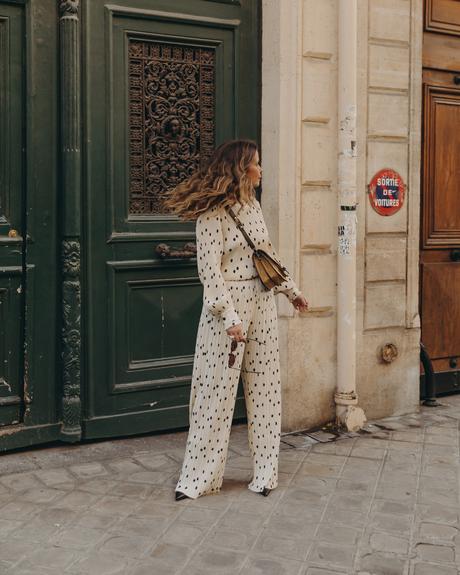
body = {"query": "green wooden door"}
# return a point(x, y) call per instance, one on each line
point(12, 229)
point(166, 82)
point(29, 405)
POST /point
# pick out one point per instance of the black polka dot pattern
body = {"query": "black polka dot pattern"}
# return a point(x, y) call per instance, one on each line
point(232, 295)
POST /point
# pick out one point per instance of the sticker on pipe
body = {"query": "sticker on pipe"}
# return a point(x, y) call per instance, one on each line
point(386, 192)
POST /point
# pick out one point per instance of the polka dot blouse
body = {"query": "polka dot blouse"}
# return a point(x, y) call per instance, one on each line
point(224, 255)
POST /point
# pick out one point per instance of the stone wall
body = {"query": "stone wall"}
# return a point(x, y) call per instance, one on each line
point(389, 132)
point(299, 155)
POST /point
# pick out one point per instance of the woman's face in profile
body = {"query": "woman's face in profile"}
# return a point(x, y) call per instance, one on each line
point(254, 172)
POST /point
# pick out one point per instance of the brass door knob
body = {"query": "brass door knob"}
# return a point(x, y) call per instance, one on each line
point(455, 255)
point(187, 252)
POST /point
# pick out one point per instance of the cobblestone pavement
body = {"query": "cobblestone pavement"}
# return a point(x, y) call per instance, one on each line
point(384, 503)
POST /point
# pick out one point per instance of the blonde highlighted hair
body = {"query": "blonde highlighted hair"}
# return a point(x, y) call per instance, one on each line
point(222, 181)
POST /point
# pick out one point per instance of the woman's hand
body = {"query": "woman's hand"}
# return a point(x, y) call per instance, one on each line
point(236, 332)
point(300, 303)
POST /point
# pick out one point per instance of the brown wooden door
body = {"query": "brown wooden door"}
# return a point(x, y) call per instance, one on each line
point(440, 225)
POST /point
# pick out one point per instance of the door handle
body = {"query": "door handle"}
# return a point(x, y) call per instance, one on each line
point(11, 235)
point(455, 255)
point(166, 252)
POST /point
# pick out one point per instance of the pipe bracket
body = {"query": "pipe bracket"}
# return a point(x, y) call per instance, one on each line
point(346, 398)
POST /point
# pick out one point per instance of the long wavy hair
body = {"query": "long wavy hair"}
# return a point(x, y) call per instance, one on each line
point(222, 181)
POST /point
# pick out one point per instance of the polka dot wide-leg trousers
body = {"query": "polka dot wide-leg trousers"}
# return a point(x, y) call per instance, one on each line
point(214, 388)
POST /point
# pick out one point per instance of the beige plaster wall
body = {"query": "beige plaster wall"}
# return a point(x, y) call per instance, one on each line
point(299, 154)
point(389, 136)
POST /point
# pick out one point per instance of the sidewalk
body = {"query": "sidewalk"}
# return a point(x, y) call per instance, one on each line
point(384, 503)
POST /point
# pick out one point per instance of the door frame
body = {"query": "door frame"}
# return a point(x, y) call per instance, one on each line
point(435, 71)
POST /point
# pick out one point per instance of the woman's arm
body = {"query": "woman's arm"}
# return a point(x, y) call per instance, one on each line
point(209, 243)
point(290, 289)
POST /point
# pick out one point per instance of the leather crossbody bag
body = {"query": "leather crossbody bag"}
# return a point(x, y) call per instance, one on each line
point(271, 273)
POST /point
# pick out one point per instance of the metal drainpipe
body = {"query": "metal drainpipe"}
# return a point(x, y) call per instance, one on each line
point(348, 413)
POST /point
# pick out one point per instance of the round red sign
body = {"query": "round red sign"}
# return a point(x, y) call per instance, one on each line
point(386, 192)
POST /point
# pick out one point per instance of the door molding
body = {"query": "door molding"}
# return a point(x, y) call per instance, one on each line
point(434, 20)
point(69, 27)
point(113, 9)
point(434, 236)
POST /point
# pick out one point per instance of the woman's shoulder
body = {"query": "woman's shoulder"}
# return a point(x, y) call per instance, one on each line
point(212, 213)
point(255, 204)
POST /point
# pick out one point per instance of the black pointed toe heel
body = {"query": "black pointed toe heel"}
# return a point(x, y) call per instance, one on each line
point(265, 491)
point(180, 496)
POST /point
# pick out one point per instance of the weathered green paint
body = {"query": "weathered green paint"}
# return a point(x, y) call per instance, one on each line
point(18, 436)
point(32, 91)
point(11, 208)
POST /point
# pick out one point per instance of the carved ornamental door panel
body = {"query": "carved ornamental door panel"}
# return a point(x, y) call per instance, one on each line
point(440, 225)
point(166, 82)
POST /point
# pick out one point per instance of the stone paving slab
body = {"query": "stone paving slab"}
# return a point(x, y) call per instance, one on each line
point(384, 501)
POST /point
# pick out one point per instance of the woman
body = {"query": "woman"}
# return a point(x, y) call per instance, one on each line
point(238, 326)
